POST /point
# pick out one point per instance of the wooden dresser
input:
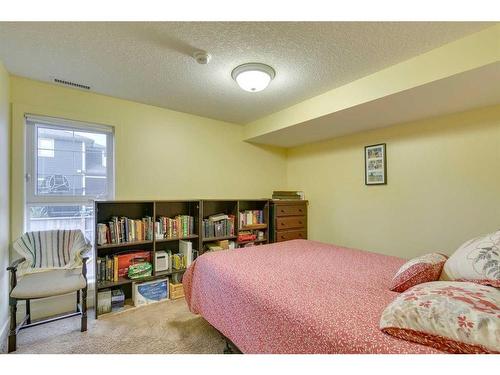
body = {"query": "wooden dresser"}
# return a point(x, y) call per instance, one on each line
point(288, 220)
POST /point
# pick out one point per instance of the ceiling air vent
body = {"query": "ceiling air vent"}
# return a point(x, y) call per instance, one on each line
point(71, 84)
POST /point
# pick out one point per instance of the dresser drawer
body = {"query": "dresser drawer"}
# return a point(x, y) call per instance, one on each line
point(290, 210)
point(290, 222)
point(287, 235)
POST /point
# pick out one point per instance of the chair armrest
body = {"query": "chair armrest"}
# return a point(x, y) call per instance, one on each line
point(85, 257)
point(13, 269)
point(14, 264)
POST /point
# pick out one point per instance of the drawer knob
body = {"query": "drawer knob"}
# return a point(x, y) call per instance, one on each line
point(300, 222)
point(282, 223)
point(282, 211)
point(282, 237)
point(300, 234)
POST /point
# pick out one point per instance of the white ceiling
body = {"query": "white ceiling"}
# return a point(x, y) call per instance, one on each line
point(473, 89)
point(150, 62)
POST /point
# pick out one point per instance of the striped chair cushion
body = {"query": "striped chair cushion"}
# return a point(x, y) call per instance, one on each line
point(51, 249)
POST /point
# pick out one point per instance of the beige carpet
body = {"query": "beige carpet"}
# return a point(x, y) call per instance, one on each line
point(165, 327)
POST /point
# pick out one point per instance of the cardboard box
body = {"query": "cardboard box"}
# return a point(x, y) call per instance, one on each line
point(176, 291)
point(224, 244)
point(150, 292)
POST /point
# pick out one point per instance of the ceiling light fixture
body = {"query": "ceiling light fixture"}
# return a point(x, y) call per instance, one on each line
point(253, 77)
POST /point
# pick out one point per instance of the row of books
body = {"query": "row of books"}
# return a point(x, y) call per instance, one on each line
point(220, 225)
point(289, 195)
point(251, 217)
point(179, 226)
point(107, 268)
point(122, 229)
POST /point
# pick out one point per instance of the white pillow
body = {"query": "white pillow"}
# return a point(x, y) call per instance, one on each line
point(477, 260)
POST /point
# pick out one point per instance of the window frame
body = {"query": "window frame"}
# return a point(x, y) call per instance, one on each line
point(33, 122)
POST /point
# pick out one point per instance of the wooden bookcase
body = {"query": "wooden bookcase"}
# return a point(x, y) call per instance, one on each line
point(219, 206)
point(199, 209)
point(104, 210)
point(258, 204)
point(234, 207)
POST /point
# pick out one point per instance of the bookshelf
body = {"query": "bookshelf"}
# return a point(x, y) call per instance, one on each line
point(198, 209)
point(215, 207)
point(105, 210)
point(260, 205)
point(234, 208)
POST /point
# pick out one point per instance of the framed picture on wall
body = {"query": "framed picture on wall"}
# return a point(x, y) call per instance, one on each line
point(375, 165)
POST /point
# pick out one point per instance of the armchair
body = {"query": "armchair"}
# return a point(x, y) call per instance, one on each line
point(52, 263)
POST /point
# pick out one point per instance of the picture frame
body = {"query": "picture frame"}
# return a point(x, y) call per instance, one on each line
point(376, 164)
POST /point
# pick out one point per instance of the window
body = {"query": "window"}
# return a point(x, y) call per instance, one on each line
point(68, 165)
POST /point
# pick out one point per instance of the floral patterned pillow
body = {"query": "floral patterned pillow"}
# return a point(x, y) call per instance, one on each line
point(477, 260)
point(455, 317)
point(419, 270)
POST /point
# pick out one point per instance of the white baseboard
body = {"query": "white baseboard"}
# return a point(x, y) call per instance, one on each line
point(4, 333)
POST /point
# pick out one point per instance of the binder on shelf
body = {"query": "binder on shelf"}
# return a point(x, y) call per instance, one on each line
point(186, 249)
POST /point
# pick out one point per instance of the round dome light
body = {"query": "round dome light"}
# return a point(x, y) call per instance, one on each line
point(253, 77)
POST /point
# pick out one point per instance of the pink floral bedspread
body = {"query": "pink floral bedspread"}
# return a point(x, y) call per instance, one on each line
point(297, 297)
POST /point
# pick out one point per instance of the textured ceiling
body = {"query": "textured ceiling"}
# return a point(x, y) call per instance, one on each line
point(151, 62)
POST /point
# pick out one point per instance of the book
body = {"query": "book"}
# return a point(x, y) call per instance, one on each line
point(102, 234)
point(186, 249)
point(178, 261)
point(218, 217)
point(117, 298)
point(104, 304)
point(115, 268)
point(289, 195)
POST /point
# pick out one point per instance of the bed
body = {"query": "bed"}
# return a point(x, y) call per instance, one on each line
point(297, 296)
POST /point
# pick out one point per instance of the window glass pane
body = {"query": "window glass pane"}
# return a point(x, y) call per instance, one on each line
point(68, 160)
point(46, 147)
point(63, 216)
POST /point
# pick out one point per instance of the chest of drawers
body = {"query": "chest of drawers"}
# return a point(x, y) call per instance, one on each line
point(288, 220)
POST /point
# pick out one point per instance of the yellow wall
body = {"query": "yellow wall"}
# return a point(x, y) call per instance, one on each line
point(4, 200)
point(159, 153)
point(443, 185)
